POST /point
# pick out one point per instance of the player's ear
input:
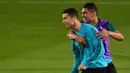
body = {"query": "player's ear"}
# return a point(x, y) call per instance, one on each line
point(94, 13)
point(74, 18)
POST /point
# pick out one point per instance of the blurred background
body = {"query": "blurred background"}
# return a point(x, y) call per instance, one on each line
point(33, 37)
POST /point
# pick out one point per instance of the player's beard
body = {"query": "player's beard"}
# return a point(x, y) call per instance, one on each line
point(85, 19)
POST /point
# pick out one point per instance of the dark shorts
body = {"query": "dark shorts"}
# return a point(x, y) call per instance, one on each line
point(111, 68)
point(95, 70)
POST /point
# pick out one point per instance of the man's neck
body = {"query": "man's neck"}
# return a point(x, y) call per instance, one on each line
point(94, 22)
point(77, 25)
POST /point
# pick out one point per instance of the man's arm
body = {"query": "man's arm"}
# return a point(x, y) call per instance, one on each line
point(116, 35)
point(84, 63)
point(80, 39)
point(110, 31)
point(77, 62)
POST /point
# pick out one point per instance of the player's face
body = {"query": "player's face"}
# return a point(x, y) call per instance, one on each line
point(68, 20)
point(86, 15)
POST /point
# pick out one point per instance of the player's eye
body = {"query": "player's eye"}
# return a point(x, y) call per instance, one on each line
point(83, 12)
point(64, 17)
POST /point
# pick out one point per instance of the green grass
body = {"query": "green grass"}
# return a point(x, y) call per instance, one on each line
point(33, 37)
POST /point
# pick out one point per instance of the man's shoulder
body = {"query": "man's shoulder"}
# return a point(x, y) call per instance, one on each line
point(89, 27)
point(103, 23)
point(107, 25)
point(103, 20)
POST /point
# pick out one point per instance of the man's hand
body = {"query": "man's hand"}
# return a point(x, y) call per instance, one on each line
point(81, 67)
point(71, 35)
point(103, 33)
point(80, 39)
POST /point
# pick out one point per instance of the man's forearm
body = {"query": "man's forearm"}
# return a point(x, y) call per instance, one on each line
point(116, 35)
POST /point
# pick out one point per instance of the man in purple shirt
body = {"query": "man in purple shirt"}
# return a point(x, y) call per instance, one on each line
point(106, 28)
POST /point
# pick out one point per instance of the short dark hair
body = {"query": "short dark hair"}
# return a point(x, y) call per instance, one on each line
point(71, 12)
point(91, 6)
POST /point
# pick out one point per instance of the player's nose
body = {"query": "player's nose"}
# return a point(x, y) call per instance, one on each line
point(63, 21)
